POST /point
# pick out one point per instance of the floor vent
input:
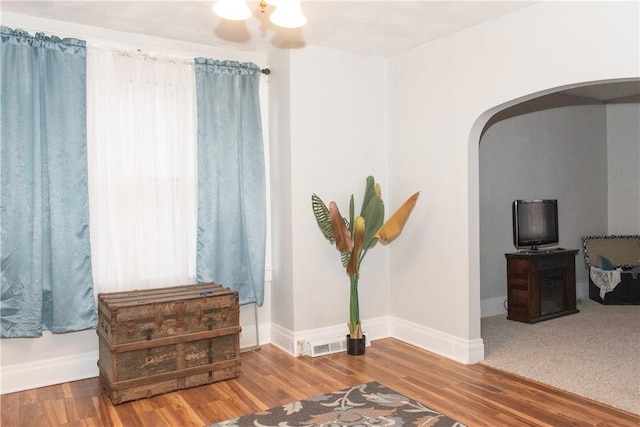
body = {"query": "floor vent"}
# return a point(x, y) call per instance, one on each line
point(333, 345)
point(330, 345)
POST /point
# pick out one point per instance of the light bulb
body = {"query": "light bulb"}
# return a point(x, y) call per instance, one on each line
point(233, 10)
point(288, 14)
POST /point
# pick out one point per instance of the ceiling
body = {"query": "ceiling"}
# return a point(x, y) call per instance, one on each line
point(376, 28)
point(371, 28)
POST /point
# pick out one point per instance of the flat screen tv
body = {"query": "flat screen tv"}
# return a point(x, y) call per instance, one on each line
point(535, 223)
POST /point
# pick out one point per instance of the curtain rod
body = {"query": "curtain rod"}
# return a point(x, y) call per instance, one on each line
point(266, 71)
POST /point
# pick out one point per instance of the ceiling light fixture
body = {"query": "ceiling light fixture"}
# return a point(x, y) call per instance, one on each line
point(233, 10)
point(288, 13)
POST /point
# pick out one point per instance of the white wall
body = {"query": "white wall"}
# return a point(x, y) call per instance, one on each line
point(281, 182)
point(556, 153)
point(337, 131)
point(441, 95)
point(338, 139)
point(623, 159)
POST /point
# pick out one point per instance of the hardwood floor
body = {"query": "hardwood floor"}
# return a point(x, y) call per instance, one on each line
point(475, 395)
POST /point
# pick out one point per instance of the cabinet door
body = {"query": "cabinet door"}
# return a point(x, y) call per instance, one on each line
point(552, 286)
point(518, 289)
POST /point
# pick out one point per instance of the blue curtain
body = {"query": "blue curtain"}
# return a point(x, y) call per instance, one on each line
point(45, 260)
point(231, 178)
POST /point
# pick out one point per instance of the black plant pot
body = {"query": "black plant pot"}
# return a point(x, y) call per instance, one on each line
point(356, 346)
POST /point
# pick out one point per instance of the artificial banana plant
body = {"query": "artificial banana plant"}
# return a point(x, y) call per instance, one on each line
point(354, 236)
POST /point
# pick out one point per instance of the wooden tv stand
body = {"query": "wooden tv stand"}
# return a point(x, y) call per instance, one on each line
point(541, 285)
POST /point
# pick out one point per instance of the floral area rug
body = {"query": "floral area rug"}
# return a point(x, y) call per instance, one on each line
point(370, 404)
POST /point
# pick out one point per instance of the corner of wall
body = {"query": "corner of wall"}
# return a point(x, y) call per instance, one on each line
point(449, 346)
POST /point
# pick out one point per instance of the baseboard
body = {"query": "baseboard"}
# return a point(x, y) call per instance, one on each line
point(449, 346)
point(250, 335)
point(248, 339)
point(47, 372)
point(493, 306)
point(297, 343)
point(582, 290)
point(28, 374)
point(463, 351)
point(283, 338)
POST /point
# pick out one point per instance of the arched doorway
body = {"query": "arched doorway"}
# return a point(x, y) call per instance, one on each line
point(559, 145)
point(551, 146)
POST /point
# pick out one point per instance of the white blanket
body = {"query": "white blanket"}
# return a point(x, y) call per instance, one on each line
point(606, 280)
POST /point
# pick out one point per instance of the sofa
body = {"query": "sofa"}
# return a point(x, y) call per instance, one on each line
point(614, 268)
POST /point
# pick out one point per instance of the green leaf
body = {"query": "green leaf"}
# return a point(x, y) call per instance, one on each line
point(323, 218)
point(345, 257)
point(359, 228)
point(373, 215)
point(369, 193)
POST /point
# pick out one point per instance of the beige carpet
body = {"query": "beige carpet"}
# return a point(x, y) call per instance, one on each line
point(594, 353)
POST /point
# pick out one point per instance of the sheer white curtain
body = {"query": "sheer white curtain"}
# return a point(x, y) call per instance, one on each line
point(142, 169)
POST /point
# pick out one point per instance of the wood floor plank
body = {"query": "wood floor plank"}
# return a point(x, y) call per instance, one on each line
point(105, 412)
point(476, 395)
point(10, 409)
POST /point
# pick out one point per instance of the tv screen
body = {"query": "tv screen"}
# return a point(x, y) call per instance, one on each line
point(535, 223)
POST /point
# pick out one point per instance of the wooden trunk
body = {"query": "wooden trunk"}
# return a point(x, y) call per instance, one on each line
point(160, 340)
